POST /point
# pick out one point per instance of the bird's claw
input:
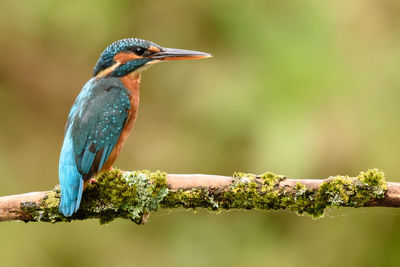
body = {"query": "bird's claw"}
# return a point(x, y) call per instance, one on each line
point(92, 181)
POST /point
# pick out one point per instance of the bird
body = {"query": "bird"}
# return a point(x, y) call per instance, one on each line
point(104, 113)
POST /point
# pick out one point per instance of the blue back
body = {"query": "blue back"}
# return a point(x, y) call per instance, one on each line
point(94, 125)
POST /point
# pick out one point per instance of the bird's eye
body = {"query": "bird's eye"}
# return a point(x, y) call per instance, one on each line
point(139, 51)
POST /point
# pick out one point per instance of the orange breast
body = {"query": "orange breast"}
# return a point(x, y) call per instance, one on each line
point(132, 83)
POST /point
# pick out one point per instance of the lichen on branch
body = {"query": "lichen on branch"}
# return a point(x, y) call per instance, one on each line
point(116, 194)
point(132, 195)
point(266, 192)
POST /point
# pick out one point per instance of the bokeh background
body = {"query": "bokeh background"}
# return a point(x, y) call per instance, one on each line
point(305, 88)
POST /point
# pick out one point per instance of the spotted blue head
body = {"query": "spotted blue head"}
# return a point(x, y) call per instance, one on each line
point(129, 55)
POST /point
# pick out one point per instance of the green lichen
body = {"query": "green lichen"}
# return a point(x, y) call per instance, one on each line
point(116, 194)
point(191, 199)
point(126, 195)
point(249, 191)
point(374, 179)
point(132, 195)
point(264, 192)
point(344, 191)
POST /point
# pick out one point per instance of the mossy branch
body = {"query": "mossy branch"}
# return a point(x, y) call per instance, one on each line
point(132, 195)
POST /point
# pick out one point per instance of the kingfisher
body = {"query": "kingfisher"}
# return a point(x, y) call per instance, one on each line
point(104, 113)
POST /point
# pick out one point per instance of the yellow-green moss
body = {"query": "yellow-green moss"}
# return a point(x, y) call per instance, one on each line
point(116, 194)
point(249, 191)
point(130, 195)
point(344, 191)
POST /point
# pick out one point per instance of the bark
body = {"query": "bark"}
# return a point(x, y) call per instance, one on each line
point(241, 191)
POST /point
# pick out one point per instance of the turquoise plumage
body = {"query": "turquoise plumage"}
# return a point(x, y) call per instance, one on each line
point(104, 113)
point(94, 125)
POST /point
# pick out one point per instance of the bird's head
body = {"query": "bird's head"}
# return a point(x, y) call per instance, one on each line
point(134, 55)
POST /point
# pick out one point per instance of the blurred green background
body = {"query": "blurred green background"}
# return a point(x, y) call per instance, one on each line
point(304, 88)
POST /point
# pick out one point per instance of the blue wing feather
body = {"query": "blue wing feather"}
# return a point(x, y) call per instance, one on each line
point(87, 160)
point(105, 155)
point(94, 125)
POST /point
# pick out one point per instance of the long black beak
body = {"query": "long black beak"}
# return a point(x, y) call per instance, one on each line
point(177, 54)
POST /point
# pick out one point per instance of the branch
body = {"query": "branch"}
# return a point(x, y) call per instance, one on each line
point(132, 195)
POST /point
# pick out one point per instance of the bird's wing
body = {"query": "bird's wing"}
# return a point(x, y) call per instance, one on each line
point(97, 125)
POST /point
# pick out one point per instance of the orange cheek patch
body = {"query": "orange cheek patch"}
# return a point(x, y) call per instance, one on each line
point(123, 57)
point(153, 49)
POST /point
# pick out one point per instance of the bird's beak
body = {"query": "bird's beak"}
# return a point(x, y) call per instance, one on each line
point(177, 54)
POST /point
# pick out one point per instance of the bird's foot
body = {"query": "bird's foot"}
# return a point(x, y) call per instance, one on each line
point(92, 181)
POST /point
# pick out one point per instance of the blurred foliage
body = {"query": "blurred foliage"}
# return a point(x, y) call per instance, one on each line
point(303, 88)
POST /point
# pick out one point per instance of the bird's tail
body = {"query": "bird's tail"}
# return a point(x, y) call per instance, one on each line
point(71, 181)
